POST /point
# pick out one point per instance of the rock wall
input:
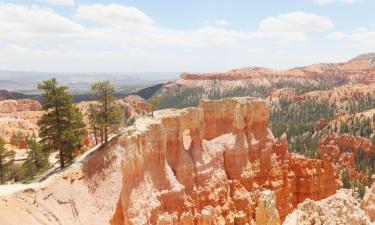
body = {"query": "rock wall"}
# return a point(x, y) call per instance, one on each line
point(209, 165)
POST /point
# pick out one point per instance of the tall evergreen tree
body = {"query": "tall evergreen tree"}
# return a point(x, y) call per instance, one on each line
point(6, 160)
point(109, 115)
point(61, 127)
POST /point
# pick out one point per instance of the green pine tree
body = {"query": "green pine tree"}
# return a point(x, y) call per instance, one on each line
point(61, 127)
point(109, 116)
point(6, 160)
point(37, 159)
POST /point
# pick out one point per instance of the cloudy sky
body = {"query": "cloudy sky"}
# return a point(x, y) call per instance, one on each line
point(180, 35)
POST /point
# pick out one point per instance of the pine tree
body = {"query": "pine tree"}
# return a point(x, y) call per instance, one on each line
point(37, 159)
point(6, 160)
point(94, 121)
point(61, 127)
point(108, 116)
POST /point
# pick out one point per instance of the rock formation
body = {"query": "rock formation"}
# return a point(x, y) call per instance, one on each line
point(209, 165)
point(10, 106)
point(19, 117)
point(266, 212)
point(343, 149)
point(360, 68)
point(368, 202)
point(340, 208)
point(135, 107)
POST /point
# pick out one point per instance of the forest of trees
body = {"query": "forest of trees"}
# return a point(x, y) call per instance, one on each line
point(297, 120)
point(61, 129)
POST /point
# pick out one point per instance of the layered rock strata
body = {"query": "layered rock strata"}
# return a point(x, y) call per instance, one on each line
point(209, 165)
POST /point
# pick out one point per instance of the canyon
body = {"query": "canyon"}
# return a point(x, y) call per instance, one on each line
point(228, 160)
point(217, 164)
point(209, 165)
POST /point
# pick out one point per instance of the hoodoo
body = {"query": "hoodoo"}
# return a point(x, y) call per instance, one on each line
point(211, 165)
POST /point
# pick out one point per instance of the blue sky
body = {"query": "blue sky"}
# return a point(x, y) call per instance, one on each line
point(166, 35)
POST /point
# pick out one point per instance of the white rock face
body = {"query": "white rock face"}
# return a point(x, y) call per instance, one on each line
point(340, 208)
point(266, 212)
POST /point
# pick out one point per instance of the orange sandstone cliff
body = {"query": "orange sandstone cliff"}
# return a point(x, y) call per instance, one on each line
point(210, 165)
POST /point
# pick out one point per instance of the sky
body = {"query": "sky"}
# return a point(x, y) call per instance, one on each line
point(180, 35)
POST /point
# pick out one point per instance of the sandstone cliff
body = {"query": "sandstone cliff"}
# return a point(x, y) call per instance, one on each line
point(209, 165)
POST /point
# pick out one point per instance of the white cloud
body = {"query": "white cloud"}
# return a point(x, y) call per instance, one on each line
point(130, 25)
point(114, 15)
point(38, 37)
point(325, 2)
point(30, 24)
point(220, 23)
point(295, 25)
point(59, 2)
point(362, 36)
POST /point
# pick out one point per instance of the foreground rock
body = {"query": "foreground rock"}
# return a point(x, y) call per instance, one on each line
point(209, 165)
point(340, 208)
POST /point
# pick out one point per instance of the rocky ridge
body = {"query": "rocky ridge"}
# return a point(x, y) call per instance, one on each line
point(209, 165)
point(361, 68)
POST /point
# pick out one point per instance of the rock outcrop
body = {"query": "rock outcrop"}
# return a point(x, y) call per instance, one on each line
point(368, 202)
point(135, 107)
point(340, 208)
point(11, 106)
point(266, 212)
point(209, 165)
point(343, 150)
point(19, 117)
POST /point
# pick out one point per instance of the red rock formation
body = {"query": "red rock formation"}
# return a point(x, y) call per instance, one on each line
point(10, 106)
point(208, 165)
point(136, 106)
point(342, 150)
